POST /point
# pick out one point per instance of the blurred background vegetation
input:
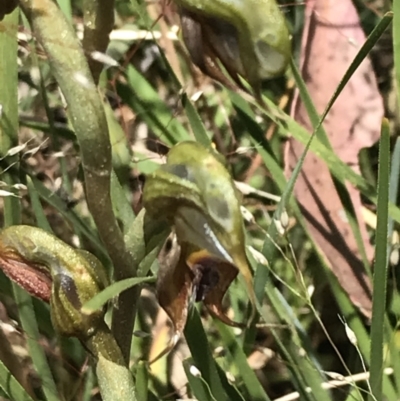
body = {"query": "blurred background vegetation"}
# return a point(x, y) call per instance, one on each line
point(316, 338)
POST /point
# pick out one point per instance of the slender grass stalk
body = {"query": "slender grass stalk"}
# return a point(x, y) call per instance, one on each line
point(9, 113)
point(380, 272)
point(250, 381)
point(142, 381)
point(396, 45)
point(202, 356)
point(320, 132)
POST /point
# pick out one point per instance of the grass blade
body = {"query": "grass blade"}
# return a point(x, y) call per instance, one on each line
point(396, 45)
point(203, 359)
point(247, 375)
point(142, 380)
point(11, 386)
point(112, 291)
point(380, 272)
point(81, 226)
point(196, 124)
point(337, 167)
point(320, 132)
point(198, 386)
point(12, 207)
point(394, 181)
point(30, 326)
point(371, 41)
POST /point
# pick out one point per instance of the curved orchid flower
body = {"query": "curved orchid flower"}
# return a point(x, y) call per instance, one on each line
point(195, 193)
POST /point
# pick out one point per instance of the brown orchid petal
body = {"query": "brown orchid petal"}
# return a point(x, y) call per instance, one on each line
point(192, 36)
point(212, 278)
point(7, 7)
point(188, 275)
point(192, 227)
point(222, 40)
point(174, 288)
point(204, 44)
point(35, 279)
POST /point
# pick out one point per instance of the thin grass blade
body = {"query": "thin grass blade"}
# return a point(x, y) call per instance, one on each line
point(11, 386)
point(380, 271)
point(203, 359)
point(247, 375)
point(112, 291)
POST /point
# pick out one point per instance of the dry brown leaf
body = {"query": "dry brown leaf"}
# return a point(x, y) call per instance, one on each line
point(331, 39)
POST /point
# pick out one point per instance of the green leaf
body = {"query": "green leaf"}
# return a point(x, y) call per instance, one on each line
point(203, 359)
point(196, 124)
point(247, 375)
point(142, 381)
point(112, 291)
point(66, 8)
point(30, 326)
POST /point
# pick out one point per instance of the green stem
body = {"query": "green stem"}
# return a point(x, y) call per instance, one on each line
point(98, 21)
point(88, 119)
point(115, 379)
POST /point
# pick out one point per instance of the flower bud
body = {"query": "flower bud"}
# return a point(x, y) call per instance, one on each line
point(71, 289)
point(53, 271)
point(249, 38)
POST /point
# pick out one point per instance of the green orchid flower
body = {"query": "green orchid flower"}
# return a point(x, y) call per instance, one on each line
point(195, 193)
point(51, 270)
point(249, 38)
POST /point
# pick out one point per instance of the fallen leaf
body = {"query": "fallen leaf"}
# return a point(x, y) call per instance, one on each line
point(332, 37)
